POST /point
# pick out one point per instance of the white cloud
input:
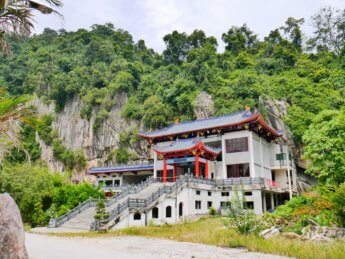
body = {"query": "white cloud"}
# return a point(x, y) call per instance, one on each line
point(152, 19)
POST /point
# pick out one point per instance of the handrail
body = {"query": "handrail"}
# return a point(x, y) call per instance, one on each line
point(144, 203)
point(56, 222)
point(130, 189)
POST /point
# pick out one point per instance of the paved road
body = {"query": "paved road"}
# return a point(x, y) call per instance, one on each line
point(50, 247)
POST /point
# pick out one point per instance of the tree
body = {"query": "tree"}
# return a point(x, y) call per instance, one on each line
point(101, 214)
point(329, 25)
point(238, 39)
point(325, 146)
point(198, 39)
point(14, 112)
point(156, 113)
point(293, 29)
point(16, 18)
point(176, 47)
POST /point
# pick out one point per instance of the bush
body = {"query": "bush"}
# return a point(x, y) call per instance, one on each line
point(41, 194)
point(244, 221)
point(212, 211)
point(323, 205)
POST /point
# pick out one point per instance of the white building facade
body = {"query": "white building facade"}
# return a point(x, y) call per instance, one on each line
point(200, 164)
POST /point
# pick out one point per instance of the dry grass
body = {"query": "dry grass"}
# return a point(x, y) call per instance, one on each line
point(211, 231)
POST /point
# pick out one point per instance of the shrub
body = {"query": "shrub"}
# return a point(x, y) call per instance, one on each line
point(244, 221)
point(212, 211)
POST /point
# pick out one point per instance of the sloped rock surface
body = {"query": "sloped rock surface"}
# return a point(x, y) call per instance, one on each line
point(12, 236)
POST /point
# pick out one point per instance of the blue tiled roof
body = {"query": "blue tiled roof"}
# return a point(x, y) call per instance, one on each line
point(183, 144)
point(126, 168)
point(203, 124)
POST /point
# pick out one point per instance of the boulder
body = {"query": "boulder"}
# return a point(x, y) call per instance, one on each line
point(12, 236)
point(270, 232)
point(318, 233)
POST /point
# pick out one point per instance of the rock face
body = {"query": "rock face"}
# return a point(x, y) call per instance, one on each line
point(12, 236)
point(78, 133)
point(325, 234)
point(203, 106)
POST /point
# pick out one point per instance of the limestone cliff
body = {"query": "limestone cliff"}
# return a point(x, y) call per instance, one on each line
point(78, 133)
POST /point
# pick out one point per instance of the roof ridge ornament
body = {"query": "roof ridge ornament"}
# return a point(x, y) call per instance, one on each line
point(247, 113)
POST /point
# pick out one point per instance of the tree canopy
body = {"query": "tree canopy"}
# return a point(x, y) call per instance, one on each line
point(104, 63)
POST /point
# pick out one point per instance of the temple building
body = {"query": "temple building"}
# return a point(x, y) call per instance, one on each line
point(233, 147)
point(194, 166)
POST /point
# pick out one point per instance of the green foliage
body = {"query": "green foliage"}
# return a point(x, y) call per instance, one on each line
point(29, 149)
point(71, 159)
point(101, 214)
point(323, 205)
point(212, 211)
point(243, 220)
point(325, 146)
point(41, 194)
point(105, 67)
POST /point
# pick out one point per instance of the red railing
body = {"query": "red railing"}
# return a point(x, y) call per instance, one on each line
point(270, 183)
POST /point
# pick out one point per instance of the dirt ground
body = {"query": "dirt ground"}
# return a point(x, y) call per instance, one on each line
point(49, 247)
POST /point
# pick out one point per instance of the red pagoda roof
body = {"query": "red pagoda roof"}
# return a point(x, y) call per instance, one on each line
point(187, 146)
point(241, 118)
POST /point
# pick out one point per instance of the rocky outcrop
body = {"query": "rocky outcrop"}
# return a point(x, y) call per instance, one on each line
point(271, 232)
point(203, 106)
point(325, 234)
point(78, 133)
point(12, 236)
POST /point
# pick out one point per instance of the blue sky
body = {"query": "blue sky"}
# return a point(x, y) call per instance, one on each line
point(152, 19)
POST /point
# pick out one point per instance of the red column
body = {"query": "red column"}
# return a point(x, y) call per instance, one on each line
point(206, 169)
point(197, 166)
point(174, 173)
point(164, 170)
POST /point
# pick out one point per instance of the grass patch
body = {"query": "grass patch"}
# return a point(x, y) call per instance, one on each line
point(211, 231)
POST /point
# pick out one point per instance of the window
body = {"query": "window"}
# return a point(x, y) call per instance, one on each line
point(155, 213)
point(197, 205)
point(168, 212)
point(250, 205)
point(209, 204)
point(248, 193)
point(109, 183)
point(180, 209)
point(137, 216)
point(209, 193)
point(236, 145)
point(116, 182)
point(225, 204)
point(239, 170)
point(287, 177)
point(225, 194)
point(282, 156)
point(197, 192)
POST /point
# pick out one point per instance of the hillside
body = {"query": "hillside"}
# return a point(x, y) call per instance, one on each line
point(97, 86)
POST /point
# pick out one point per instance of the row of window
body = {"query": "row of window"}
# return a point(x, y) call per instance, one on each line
point(155, 213)
point(223, 204)
point(224, 194)
point(109, 183)
point(168, 209)
point(198, 205)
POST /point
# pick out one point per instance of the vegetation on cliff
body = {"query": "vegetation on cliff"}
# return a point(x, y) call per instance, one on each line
point(103, 62)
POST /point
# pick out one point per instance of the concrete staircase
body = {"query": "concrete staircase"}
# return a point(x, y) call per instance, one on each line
point(81, 221)
point(84, 219)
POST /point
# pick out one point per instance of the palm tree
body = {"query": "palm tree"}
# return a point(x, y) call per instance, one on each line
point(16, 18)
point(14, 112)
